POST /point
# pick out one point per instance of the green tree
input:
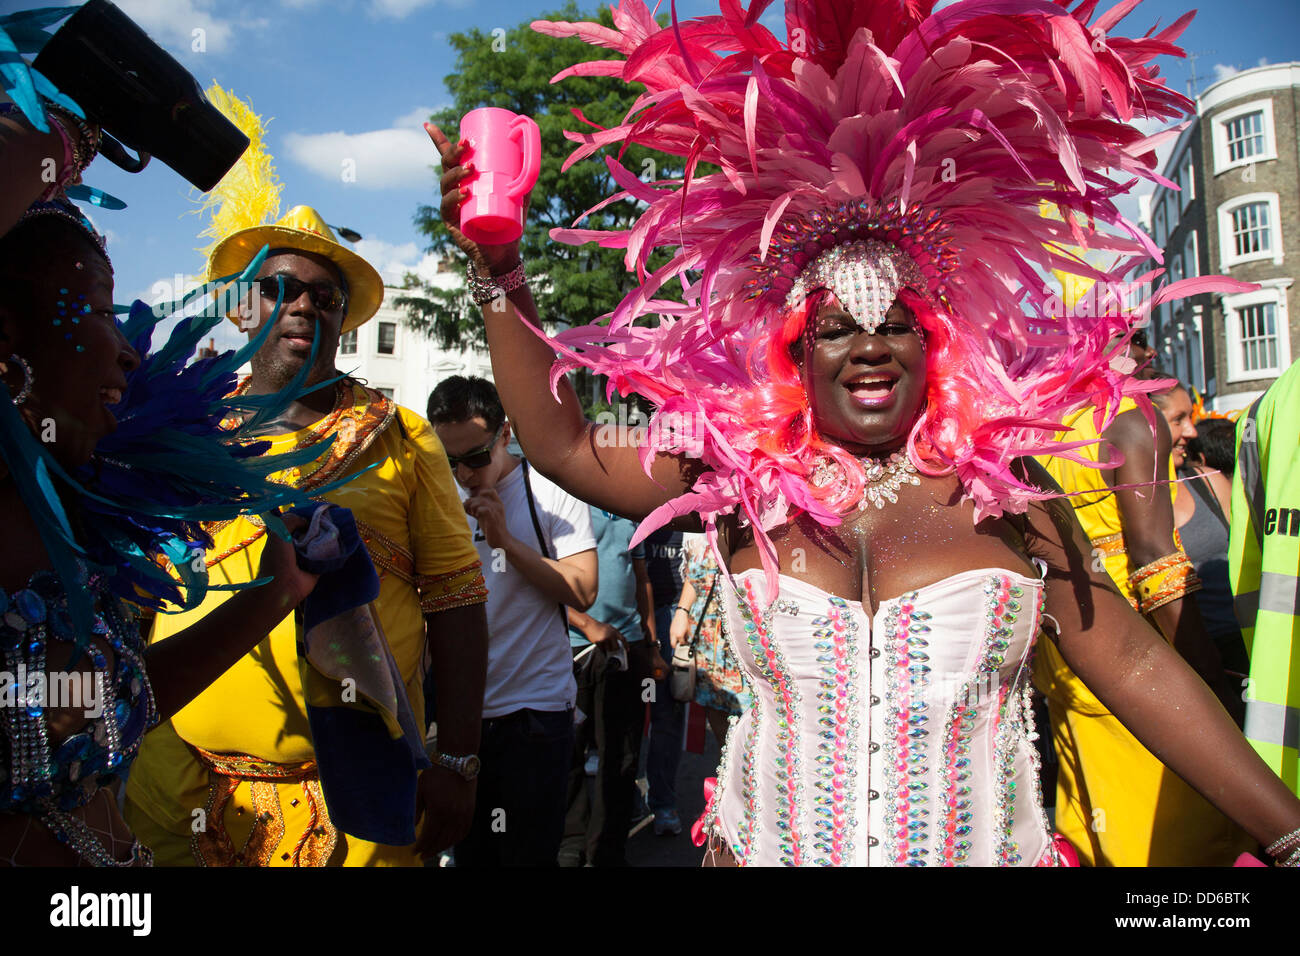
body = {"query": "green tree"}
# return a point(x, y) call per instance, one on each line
point(573, 285)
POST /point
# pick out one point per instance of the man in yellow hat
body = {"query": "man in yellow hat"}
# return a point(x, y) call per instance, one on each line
point(232, 779)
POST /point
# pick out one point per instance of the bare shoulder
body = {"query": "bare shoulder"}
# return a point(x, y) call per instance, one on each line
point(1133, 433)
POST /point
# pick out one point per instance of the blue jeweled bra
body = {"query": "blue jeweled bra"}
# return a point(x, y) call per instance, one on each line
point(41, 777)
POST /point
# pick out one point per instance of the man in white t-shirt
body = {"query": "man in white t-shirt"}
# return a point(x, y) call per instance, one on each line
point(538, 553)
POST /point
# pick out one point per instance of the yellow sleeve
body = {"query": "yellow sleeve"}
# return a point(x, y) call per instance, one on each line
point(447, 569)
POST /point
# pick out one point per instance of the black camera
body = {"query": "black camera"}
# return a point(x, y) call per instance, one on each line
point(140, 96)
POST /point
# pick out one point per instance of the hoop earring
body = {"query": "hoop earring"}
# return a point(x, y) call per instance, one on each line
point(28, 379)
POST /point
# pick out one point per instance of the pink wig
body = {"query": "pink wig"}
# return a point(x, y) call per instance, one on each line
point(945, 134)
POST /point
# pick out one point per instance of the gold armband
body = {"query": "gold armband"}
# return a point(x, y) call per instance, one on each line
point(1163, 580)
point(1110, 544)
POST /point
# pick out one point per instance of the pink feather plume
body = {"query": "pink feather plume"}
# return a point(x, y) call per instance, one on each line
point(960, 124)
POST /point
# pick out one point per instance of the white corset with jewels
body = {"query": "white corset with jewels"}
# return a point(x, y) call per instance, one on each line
point(903, 740)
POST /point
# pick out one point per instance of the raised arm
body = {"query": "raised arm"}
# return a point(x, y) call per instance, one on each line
point(599, 464)
point(1148, 518)
point(26, 158)
point(1146, 684)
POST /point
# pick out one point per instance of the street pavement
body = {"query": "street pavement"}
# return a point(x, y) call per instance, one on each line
point(646, 849)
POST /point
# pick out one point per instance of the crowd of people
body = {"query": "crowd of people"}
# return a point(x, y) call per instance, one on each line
point(919, 503)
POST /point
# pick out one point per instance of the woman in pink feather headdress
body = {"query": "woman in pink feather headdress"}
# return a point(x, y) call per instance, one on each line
point(863, 359)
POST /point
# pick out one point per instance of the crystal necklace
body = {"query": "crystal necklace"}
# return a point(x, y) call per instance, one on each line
point(882, 478)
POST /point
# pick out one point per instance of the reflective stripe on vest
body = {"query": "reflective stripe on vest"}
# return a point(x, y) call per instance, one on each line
point(1277, 592)
point(1271, 723)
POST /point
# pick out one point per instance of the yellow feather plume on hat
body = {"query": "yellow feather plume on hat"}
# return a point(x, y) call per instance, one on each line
point(248, 195)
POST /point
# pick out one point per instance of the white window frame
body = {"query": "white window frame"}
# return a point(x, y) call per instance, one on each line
point(1191, 255)
point(1273, 293)
point(1177, 269)
point(1172, 216)
point(1187, 179)
point(1220, 136)
point(356, 343)
point(1227, 248)
point(1159, 224)
point(1196, 330)
point(397, 339)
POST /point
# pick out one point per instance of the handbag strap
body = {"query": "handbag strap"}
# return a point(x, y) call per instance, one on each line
point(695, 638)
point(541, 540)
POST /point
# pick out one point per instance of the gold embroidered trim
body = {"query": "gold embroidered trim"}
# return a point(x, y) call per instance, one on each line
point(355, 432)
point(1110, 544)
point(1164, 581)
point(460, 588)
point(465, 597)
point(212, 846)
point(399, 560)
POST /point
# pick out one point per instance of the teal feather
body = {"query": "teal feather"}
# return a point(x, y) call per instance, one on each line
point(28, 461)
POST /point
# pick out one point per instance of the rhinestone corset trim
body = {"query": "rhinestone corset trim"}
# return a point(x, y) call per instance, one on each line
point(907, 740)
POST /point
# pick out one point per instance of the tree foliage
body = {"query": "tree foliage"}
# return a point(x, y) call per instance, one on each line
point(573, 285)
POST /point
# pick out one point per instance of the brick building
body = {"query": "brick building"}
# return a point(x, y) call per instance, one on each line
point(1237, 214)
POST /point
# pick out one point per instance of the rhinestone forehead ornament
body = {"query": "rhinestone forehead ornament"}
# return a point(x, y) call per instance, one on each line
point(866, 276)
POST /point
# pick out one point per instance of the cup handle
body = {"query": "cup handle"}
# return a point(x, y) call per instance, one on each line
point(530, 137)
point(116, 153)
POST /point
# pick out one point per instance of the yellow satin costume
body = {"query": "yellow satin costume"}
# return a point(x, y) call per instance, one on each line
point(231, 779)
point(1115, 802)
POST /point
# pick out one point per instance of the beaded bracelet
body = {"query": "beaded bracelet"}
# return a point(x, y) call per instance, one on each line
point(484, 290)
point(1164, 580)
point(1289, 841)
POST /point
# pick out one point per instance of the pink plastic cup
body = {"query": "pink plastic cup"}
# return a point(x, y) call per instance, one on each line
point(506, 150)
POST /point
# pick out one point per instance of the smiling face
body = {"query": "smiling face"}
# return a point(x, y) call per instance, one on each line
point(78, 366)
point(1177, 409)
point(288, 346)
point(866, 390)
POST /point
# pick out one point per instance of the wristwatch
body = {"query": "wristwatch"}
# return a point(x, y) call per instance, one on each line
point(467, 766)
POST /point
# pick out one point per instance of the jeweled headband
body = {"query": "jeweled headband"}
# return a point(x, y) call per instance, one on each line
point(65, 210)
point(866, 276)
point(796, 246)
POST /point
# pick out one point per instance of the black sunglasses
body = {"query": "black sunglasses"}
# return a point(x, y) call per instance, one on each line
point(1140, 340)
point(479, 457)
point(326, 296)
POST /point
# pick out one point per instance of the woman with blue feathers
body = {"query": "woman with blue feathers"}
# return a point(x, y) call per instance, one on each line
point(110, 457)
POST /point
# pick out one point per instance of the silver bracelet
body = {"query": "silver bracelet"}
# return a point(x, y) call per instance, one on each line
point(1277, 845)
point(484, 290)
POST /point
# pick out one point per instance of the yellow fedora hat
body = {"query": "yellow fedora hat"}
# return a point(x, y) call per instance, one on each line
point(303, 229)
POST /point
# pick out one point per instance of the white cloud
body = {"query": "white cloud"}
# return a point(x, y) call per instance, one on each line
point(172, 24)
point(1222, 71)
point(416, 118)
point(390, 9)
point(399, 9)
point(395, 158)
point(394, 261)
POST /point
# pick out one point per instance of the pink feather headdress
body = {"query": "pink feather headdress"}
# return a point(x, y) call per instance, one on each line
point(945, 134)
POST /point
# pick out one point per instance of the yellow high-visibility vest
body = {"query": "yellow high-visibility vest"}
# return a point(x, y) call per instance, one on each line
point(1264, 570)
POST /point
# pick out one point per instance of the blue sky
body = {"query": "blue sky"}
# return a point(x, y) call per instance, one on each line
point(355, 78)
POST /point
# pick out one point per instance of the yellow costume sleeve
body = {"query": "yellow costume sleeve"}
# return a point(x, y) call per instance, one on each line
point(447, 569)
